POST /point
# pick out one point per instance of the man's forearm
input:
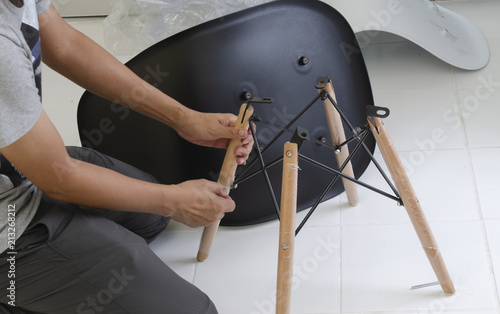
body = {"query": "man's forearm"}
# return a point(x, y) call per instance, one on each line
point(78, 58)
point(85, 184)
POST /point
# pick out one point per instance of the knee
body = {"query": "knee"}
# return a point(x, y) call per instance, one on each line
point(147, 285)
point(100, 159)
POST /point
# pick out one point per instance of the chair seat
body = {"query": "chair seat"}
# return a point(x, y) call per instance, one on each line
point(258, 51)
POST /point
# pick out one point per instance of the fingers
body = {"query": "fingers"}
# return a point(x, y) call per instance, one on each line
point(231, 132)
point(226, 203)
point(242, 152)
point(204, 203)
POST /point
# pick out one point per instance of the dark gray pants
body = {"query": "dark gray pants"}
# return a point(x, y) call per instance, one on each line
point(85, 261)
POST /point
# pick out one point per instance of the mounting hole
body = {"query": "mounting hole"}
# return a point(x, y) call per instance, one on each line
point(303, 60)
point(381, 112)
point(245, 95)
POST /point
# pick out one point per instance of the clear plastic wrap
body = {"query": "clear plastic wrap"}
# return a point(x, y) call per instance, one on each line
point(134, 25)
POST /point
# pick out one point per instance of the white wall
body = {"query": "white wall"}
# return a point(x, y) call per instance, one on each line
point(69, 8)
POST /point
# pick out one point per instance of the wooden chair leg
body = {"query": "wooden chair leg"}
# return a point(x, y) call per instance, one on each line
point(287, 228)
point(337, 134)
point(226, 178)
point(411, 204)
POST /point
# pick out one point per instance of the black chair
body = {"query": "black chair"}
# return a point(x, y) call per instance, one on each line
point(274, 50)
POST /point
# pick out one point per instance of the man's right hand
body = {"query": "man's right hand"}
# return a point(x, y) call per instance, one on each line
point(199, 203)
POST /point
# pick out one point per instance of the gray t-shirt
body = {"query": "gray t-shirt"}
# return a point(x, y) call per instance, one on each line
point(20, 108)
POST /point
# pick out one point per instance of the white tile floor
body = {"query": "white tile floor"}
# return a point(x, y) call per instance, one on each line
point(364, 259)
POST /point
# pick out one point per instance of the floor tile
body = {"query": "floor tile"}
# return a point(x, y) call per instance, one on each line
point(479, 110)
point(436, 178)
point(327, 214)
point(493, 233)
point(423, 121)
point(487, 172)
point(243, 264)
point(381, 263)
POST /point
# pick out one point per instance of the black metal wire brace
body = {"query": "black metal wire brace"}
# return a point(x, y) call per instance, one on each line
point(359, 134)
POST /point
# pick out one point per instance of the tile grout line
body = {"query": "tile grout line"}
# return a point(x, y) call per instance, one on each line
point(340, 255)
point(476, 192)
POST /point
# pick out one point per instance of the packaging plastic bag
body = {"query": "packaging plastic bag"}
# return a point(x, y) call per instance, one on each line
point(134, 25)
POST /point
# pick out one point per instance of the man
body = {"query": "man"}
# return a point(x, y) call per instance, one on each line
point(75, 240)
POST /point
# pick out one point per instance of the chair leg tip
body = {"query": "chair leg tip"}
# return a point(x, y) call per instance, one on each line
point(202, 256)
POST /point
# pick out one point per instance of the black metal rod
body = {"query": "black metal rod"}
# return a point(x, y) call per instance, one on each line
point(331, 170)
point(316, 141)
point(333, 181)
point(382, 172)
point(338, 173)
point(354, 137)
point(352, 153)
point(316, 204)
point(252, 162)
point(250, 175)
point(266, 176)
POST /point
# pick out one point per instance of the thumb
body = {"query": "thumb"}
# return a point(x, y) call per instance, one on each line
point(225, 200)
point(228, 129)
point(233, 133)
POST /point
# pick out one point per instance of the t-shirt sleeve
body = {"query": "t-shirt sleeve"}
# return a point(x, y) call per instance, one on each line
point(42, 6)
point(20, 104)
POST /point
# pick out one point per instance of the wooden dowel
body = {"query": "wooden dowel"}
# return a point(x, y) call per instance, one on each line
point(287, 228)
point(412, 204)
point(337, 134)
point(226, 178)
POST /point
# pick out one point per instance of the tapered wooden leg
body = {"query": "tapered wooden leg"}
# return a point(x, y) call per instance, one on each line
point(337, 134)
point(412, 204)
point(287, 228)
point(226, 178)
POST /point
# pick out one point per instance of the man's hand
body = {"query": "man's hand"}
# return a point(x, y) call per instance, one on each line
point(199, 203)
point(40, 152)
point(194, 203)
point(78, 58)
point(215, 130)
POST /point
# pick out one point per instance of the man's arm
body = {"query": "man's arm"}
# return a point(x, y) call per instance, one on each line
point(42, 157)
point(77, 57)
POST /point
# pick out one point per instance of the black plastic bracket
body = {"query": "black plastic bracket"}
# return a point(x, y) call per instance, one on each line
point(257, 100)
point(261, 100)
point(321, 82)
point(377, 112)
point(299, 136)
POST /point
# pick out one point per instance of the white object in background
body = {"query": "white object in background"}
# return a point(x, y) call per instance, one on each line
point(444, 33)
point(82, 8)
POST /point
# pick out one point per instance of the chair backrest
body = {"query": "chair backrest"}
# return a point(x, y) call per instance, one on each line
point(209, 67)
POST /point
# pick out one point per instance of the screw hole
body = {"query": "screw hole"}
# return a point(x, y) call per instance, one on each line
point(245, 95)
point(303, 61)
